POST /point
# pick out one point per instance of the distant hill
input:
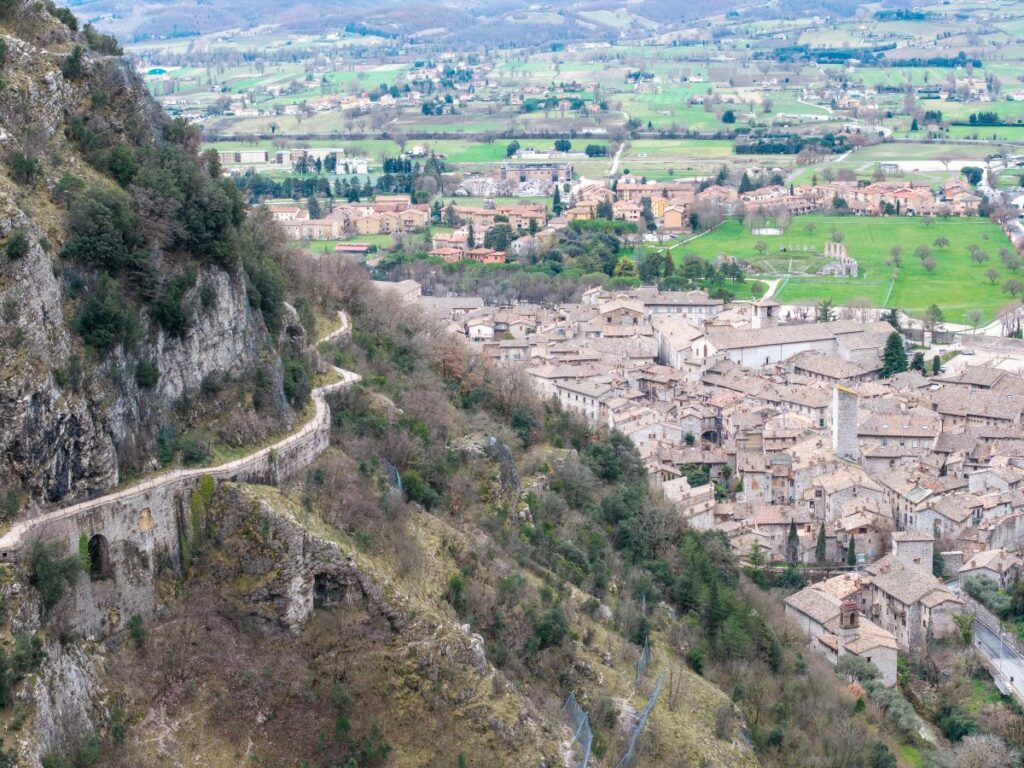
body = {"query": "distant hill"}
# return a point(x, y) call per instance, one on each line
point(481, 21)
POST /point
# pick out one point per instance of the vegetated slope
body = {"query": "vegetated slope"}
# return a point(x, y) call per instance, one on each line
point(435, 633)
point(131, 278)
point(524, 559)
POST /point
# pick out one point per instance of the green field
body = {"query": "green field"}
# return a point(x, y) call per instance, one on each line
point(327, 246)
point(896, 151)
point(478, 201)
point(957, 284)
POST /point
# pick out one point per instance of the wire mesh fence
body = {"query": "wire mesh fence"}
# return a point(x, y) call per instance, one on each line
point(643, 662)
point(391, 474)
point(580, 723)
point(640, 723)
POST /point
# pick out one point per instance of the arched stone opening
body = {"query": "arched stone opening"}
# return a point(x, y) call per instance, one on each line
point(100, 566)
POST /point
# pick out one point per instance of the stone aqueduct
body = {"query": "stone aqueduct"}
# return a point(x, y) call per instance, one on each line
point(132, 533)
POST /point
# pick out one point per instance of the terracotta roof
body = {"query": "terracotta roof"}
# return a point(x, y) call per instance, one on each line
point(907, 583)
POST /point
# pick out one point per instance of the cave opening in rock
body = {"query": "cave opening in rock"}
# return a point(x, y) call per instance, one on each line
point(326, 590)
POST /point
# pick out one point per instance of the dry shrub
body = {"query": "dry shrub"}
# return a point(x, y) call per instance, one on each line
point(345, 497)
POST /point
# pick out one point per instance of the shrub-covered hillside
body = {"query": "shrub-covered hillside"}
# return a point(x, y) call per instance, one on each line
point(138, 296)
point(506, 556)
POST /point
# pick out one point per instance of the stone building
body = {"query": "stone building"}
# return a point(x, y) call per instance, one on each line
point(828, 614)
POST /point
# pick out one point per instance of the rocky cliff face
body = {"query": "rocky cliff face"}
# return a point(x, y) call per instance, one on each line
point(54, 439)
point(70, 416)
point(275, 571)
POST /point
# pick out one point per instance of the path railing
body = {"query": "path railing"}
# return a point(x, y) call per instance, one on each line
point(12, 542)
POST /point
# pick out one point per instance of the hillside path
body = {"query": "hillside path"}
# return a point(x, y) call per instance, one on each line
point(15, 537)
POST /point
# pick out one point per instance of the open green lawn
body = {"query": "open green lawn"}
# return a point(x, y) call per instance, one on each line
point(809, 290)
point(327, 246)
point(547, 201)
point(957, 284)
point(678, 149)
point(987, 132)
point(905, 150)
point(664, 110)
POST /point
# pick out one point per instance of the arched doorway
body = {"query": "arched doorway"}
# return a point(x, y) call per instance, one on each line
point(100, 566)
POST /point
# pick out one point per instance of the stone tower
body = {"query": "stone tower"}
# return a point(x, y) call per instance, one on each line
point(766, 313)
point(844, 424)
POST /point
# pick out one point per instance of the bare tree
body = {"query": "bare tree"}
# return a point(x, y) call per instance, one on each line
point(982, 751)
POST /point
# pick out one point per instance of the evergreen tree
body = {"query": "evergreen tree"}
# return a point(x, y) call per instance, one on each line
point(755, 558)
point(556, 203)
point(823, 312)
point(851, 552)
point(917, 363)
point(625, 267)
point(936, 365)
point(792, 543)
point(471, 238)
point(913, 124)
point(649, 266)
point(894, 359)
point(938, 564)
point(892, 317)
point(819, 547)
point(745, 184)
point(670, 266)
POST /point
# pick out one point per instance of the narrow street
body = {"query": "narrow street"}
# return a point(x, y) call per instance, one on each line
point(1010, 665)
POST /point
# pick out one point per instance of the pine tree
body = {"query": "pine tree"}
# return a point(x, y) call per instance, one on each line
point(851, 552)
point(745, 184)
point(792, 543)
point(755, 557)
point(936, 365)
point(819, 547)
point(938, 564)
point(670, 266)
point(824, 313)
point(917, 363)
point(894, 359)
point(556, 203)
point(471, 238)
point(892, 317)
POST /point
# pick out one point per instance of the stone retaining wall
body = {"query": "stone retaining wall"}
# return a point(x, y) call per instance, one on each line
point(139, 530)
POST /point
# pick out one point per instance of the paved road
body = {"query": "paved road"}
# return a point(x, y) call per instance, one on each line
point(618, 153)
point(1010, 665)
point(988, 644)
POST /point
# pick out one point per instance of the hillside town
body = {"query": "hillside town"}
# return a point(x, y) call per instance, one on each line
point(782, 436)
point(656, 209)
